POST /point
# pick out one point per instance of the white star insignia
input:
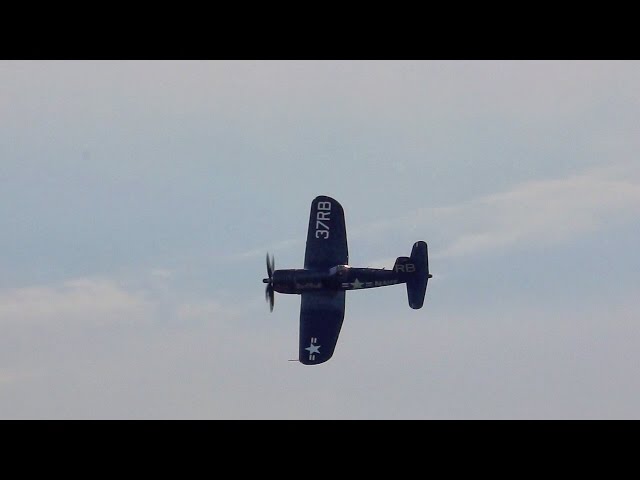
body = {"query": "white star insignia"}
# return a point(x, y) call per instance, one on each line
point(313, 348)
point(357, 284)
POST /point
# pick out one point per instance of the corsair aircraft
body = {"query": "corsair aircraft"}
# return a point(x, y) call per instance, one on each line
point(327, 276)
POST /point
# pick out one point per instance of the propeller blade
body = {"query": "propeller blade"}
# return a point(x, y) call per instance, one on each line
point(271, 299)
point(269, 295)
point(269, 267)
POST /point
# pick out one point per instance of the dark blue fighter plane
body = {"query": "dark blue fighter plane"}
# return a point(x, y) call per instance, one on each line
point(327, 276)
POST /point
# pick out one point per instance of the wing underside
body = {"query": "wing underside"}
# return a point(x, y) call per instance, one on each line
point(321, 316)
point(326, 235)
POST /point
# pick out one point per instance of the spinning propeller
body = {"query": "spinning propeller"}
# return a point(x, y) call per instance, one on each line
point(268, 292)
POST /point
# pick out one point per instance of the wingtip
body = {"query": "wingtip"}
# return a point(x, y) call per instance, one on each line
point(326, 198)
point(323, 359)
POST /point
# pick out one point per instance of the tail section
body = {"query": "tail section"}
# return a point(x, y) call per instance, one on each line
point(403, 266)
point(414, 271)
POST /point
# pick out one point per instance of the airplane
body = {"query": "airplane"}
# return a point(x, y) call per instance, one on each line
point(327, 276)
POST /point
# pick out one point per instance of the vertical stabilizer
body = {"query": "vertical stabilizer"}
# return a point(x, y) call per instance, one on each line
point(417, 280)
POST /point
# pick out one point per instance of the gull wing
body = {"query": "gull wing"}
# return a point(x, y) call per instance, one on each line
point(326, 236)
point(321, 315)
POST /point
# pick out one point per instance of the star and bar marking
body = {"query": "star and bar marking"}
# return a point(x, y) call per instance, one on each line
point(313, 349)
point(355, 284)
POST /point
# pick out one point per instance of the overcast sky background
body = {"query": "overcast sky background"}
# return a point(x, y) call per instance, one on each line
point(139, 198)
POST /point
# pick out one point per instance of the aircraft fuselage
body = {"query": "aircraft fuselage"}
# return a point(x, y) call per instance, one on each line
point(341, 277)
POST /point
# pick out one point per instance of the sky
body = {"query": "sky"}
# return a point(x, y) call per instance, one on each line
point(138, 200)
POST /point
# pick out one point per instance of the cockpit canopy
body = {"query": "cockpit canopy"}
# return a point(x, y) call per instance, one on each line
point(339, 270)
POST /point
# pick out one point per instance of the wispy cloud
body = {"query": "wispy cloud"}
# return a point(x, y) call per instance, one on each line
point(7, 376)
point(543, 212)
point(84, 300)
point(261, 251)
point(205, 309)
point(531, 213)
point(162, 273)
